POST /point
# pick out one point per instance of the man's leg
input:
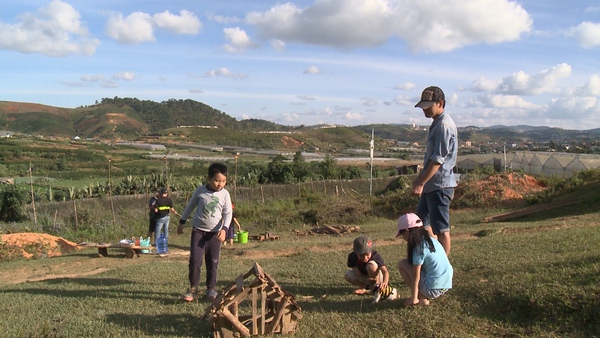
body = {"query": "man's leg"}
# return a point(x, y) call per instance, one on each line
point(444, 239)
point(439, 212)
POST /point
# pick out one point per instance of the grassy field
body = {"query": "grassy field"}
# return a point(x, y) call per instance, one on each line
point(534, 277)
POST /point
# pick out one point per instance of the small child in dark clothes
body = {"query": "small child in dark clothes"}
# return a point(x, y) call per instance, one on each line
point(367, 269)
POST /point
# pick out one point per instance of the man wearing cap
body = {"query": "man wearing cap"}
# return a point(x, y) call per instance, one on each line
point(435, 184)
point(367, 268)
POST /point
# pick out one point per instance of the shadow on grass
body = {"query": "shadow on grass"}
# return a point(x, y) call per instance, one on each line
point(104, 288)
point(181, 325)
point(563, 315)
point(335, 299)
point(180, 247)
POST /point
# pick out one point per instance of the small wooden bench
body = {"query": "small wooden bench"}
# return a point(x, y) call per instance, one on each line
point(130, 250)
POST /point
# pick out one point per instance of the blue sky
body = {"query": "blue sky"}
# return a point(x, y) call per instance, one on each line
point(348, 62)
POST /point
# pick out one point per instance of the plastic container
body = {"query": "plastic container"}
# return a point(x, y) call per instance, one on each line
point(242, 237)
point(162, 246)
point(145, 242)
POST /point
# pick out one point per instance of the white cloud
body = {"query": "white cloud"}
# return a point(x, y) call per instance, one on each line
point(290, 117)
point(520, 83)
point(353, 116)
point(184, 23)
point(139, 27)
point(277, 44)
point(587, 33)
point(226, 20)
point(452, 99)
point(505, 101)
point(568, 108)
point(92, 78)
point(76, 84)
point(135, 28)
point(312, 70)
point(457, 23)
point(127, 76)
point(306, 97)
point(196, 91)
point(404, 101)
point(484, 85)
point(239, 41)
point(369, 101)
point(55, 30)
point(405, 86)
point(592, 87)
point(364, 23)
point(109, 84)
point(224, 72)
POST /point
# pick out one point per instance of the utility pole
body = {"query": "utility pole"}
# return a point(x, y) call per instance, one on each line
point(504, 157)
point(32, 195)
point(112, 204)
point(236, 177)
point(372, 147)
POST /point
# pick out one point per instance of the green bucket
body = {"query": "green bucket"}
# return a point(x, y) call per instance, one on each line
point(242, 237)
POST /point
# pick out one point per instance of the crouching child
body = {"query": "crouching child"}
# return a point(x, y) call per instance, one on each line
point(368, 271)
point(426, 268)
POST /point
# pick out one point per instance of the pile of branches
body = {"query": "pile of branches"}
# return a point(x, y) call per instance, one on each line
point(328, 230)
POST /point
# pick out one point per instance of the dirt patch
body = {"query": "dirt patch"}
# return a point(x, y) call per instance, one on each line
point(500, 189)
point(291, 142)
point(33, 245)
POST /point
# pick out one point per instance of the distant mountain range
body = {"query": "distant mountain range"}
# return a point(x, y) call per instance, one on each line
point(128, 118)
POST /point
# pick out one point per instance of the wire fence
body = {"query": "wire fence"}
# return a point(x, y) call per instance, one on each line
point(124, 204)
point(269, 192)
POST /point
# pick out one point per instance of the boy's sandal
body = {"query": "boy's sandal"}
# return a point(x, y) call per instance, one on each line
point(360, 291)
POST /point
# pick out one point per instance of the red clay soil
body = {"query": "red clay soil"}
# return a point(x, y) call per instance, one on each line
point(500, 189)
point(34, 245)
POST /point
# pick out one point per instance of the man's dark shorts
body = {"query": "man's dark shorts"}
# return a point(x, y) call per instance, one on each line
point(434, 209)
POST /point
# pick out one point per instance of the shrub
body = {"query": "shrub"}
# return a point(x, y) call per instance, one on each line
point(12, 202)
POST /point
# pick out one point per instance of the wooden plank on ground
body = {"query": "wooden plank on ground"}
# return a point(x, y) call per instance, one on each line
point(527, 211)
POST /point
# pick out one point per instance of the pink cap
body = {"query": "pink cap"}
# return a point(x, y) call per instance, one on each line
point(408, 221)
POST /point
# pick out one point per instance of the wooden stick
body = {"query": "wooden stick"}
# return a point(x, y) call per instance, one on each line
point(279, 314)
point(235, 322)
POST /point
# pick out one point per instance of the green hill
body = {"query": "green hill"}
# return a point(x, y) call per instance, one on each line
point(130, 118)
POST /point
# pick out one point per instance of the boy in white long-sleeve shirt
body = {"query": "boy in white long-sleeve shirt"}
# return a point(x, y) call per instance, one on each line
point(209, 226)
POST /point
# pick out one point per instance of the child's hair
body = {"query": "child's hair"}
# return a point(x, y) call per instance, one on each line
point(415, 239)
point(217, 168)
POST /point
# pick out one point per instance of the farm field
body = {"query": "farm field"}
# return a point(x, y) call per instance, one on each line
point(530, 277)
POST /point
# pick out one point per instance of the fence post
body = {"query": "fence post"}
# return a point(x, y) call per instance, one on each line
point(262, 194)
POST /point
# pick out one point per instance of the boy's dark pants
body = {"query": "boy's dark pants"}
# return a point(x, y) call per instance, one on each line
point(204, 245)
